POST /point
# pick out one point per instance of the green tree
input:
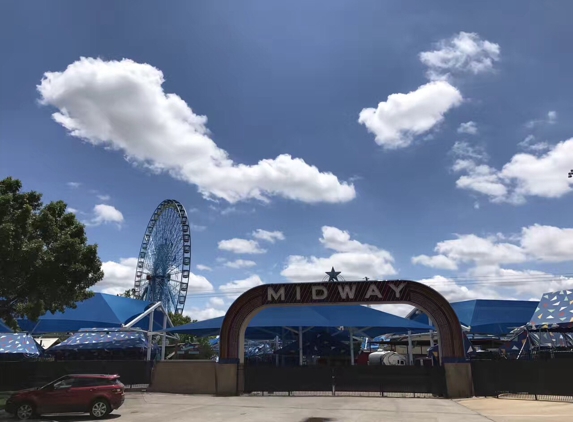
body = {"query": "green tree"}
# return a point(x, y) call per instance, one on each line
point(130, 293)
point(45, 261)
point(205, 349)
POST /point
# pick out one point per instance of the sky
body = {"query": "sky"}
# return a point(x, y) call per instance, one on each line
point(391, 140)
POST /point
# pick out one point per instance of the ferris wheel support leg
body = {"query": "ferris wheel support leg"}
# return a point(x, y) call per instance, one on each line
point(150, 336)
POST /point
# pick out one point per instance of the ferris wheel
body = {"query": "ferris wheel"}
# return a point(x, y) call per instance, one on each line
point(164, 261)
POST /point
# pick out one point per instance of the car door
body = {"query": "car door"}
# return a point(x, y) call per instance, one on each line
point(83, 392)
point(56, 398)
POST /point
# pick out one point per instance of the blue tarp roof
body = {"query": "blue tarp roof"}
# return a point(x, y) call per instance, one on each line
point(4, 328)
point(270, 322)
point(19, 345)
point(103, 338)
point(101, 310)
point(488, 316)
point(555, 310)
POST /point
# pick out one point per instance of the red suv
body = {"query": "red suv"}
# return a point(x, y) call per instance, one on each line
point(94, 394)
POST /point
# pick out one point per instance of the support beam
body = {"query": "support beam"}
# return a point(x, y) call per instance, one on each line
point(150, 336)
point(164, 338)
point(431, 338)
point(300, 346)
point(351, 347)
point(410, 349)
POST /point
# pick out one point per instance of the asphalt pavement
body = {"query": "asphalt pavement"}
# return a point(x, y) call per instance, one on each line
point(154, 407)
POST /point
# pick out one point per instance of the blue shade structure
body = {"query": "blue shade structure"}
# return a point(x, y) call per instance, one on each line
point(271, 322)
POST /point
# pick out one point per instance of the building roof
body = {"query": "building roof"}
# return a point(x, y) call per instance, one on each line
point(497, 317)
point(270, 322)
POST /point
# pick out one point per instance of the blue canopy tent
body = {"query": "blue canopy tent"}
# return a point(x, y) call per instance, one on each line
point(19, 346)
point(272, 322)
point(497, 317)
point(101, 310)
point(103, 338)
point(554, 312)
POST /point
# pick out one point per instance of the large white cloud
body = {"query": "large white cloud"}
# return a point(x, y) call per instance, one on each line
point(525, 175)
point(548, 243)
point(121, 105)
point(464, 52)
point(486, 259)
point(402, 117)
point(354, 259)
point(397, 121)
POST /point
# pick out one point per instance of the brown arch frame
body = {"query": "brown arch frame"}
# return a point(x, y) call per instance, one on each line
point(410, 292)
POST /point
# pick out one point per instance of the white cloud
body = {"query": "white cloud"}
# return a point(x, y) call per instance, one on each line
point(402, 117)
point(524, 175)
point(486, 256)
point(464, 52)
point(217, 302)
point(436, 261)
point(104, 214)
point(199, 284)
point(203, 314)
point(400, 309)
point(74, 185)
point(121, 105)
point(268, 236)
point(197, 228)
point(202, 267)
point(354, 259)
point(118, 276)
point(469, 128)
point(455, 292)
point(464, 150)
point(241, 246)
point(72, 210)
point(548, 243)
point(240, 263)
point(104, 197)
point(550, 119)
point(235, 288)
point(529, 144)
point(473, 249)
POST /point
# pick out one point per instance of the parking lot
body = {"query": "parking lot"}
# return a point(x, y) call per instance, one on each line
point(141, 407)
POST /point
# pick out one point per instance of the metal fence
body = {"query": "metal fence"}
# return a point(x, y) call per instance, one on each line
point(402, 381)
point(20, 375)
point(529, 379)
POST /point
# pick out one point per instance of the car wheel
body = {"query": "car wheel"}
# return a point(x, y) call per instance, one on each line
point(25, 411)
point(100, 408)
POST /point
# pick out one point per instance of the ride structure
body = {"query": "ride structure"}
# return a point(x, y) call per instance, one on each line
point(164, 260)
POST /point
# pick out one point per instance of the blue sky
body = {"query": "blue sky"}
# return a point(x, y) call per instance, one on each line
point(460, 180)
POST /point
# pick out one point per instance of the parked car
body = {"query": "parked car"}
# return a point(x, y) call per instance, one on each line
point(94, 394)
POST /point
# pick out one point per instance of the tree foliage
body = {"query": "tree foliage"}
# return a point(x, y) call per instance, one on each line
point(45, 261)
